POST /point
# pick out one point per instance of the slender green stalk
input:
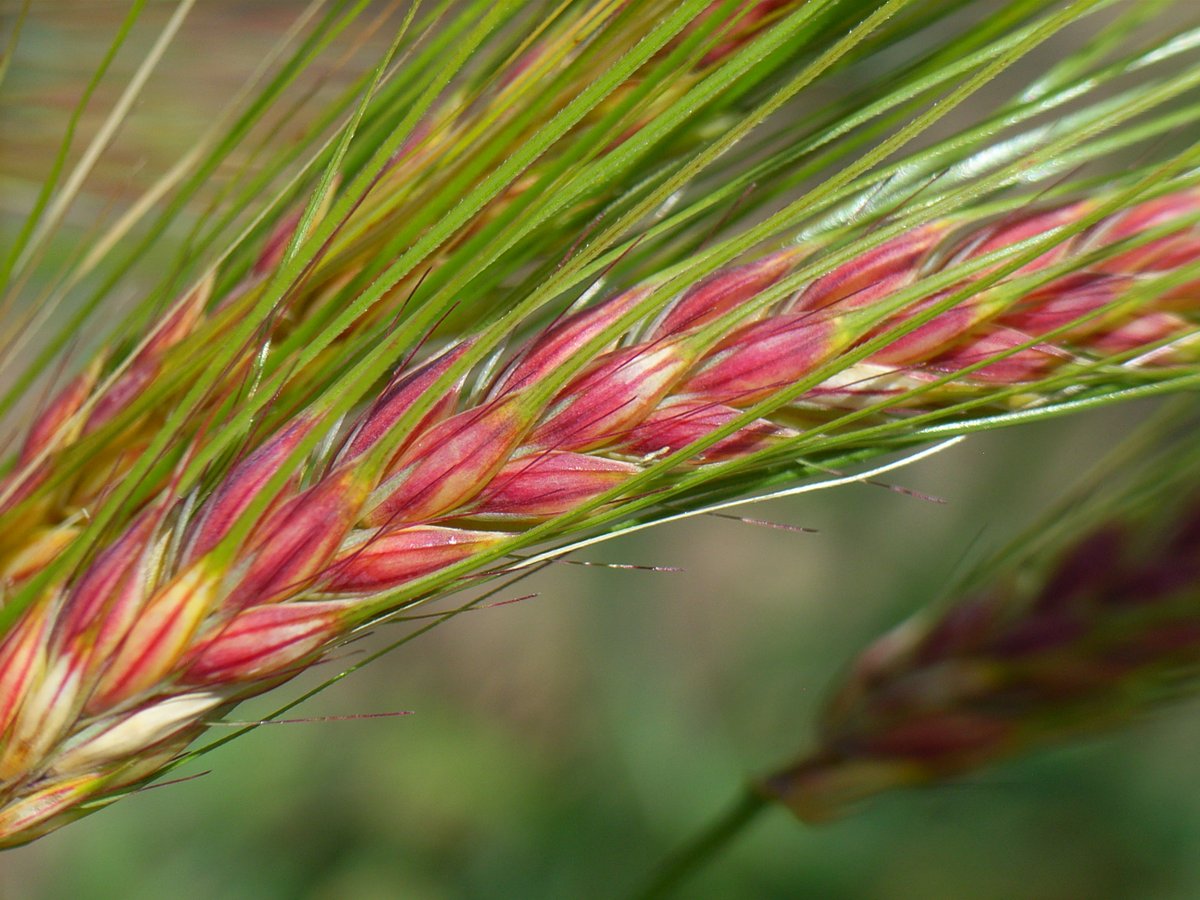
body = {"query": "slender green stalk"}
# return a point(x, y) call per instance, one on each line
point(701, 850)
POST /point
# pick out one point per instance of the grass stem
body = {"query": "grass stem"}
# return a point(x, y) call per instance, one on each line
point(704, 846)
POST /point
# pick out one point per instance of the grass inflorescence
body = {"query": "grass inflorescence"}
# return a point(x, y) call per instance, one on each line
point(544, 270)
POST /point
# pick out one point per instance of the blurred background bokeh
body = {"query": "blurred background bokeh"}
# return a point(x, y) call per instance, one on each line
point(563, 745)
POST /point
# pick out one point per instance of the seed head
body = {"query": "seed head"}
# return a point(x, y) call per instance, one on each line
point(115, 671)
point(1040, 655)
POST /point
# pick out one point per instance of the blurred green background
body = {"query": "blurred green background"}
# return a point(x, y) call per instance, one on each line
point(563, 745)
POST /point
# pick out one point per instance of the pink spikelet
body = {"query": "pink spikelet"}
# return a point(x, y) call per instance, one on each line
point(101, 608)
point(378, 562)
point(48, 427)
point(725, 291)
point(294, 544)
point(602, 405)
point(239, 488)
point(450, 463)
point(548, 483)
point(164, 628)
point(399, 397)
point(263, 641)
point(873, 275)
point(18, 657)
point(761, 358)
point(143, 367)
point(41, 810)
point(565, 339)
point(676, 424)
